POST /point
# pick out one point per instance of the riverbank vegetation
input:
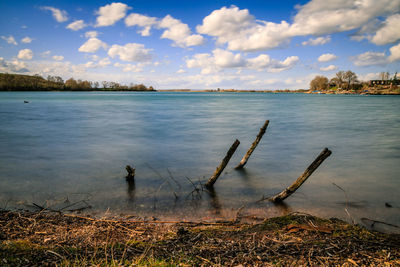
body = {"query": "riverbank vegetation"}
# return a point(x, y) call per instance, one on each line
point(17, 82)
point(346, 82)
point(43, 238)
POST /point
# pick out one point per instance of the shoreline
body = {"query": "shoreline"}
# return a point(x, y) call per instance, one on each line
point(43, 238)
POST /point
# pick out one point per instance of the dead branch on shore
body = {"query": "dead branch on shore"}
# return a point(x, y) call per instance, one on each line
point(253, 146)
point(210, 183)
point(307, 173)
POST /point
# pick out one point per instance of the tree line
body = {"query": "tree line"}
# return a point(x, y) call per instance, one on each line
point(18, 82)
point(344, 80)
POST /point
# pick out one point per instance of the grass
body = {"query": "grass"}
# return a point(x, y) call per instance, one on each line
point(296, 239)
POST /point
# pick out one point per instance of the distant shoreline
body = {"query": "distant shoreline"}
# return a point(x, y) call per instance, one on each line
point(300, 91)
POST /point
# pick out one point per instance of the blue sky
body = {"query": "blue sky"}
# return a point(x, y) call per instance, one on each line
point(201, 44)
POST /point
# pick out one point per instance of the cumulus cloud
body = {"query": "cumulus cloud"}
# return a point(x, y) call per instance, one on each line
point(389, 32)
point(369, 58)
point(25, 54)
point(58, 15)
point(142, 21)
point(179, 32)
point(329, 68)
point(58, 58)
point(26, 40)
point(394, 53)
point(76, 25)
point(330, 16)
point(326, 57)
point(110, 14)
point(180, 71)
point(242, 31)
point(101, 63)
point(10, 39)
point(221, 59)
point(131, 67)
point(91, 34)
point(317, 41)
point(130, 52)
point(92, 45)
point(12, 66)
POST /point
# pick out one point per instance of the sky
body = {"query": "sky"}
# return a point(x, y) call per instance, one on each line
point(201, 44)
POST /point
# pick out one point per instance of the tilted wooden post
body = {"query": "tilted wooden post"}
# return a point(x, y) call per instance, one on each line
point(291, 189)
point(210, 183)
point(131, 172)
point(253, 146)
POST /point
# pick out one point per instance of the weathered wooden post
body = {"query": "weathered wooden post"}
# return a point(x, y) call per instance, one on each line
point(210, 183)
point(291, 189)
point(253, 146)
point(131, 172)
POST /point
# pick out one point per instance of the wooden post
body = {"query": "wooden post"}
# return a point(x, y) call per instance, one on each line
point(253, 146)
point(291, 189)
point(210, 183)
point(131, 172)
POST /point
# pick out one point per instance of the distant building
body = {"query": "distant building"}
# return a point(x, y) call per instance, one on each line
point(383, 82)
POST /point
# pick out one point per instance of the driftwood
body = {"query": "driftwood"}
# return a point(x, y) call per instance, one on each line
point(291, 189)
point(210, 183)
point(253, 146)
point(131, 172)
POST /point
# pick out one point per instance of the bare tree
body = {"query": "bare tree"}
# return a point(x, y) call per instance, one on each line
point(338, 79)
point(351, 78)
point(319, 83)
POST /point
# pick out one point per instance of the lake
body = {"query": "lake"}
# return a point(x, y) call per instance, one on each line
point(67, 147)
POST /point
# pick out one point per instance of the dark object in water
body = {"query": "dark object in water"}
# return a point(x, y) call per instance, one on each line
point(25, 101)
point(388, 205)
point(131, 172)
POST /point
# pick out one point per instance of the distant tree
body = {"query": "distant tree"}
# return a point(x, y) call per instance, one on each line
point(384, 75)
point(351, 79)
point(105, 84)
point(96, 85)
point(319, 83)
point(71, 84)
point(338, 79)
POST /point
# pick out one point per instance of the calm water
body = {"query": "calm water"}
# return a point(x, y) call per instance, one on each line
point(64, 147)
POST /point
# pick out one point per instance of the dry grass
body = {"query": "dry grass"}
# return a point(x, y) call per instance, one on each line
point(55, 239)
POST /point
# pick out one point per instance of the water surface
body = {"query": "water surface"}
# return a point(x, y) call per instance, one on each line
point(67, 146)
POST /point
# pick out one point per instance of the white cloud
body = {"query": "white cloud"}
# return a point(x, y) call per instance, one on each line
point(58, 58)
point(26, 40)
point(130, 52)
point(59, 15)
point(92, 45)
point(91, 34)
point(327, 57)
point(76, 25)
point(369, 58)
point(317, 41)
point(10, 39)
point(241, 31)
point(110, 14)
point(131, 67)
point(329, 16)
point(101, 63)
point(13, 66)
point(329, 68)
point(394, 53)
point(179, 32)
point(389, 32)
point(225, 59)
point(180, 71)
point(142, 21)
point(25, 54)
